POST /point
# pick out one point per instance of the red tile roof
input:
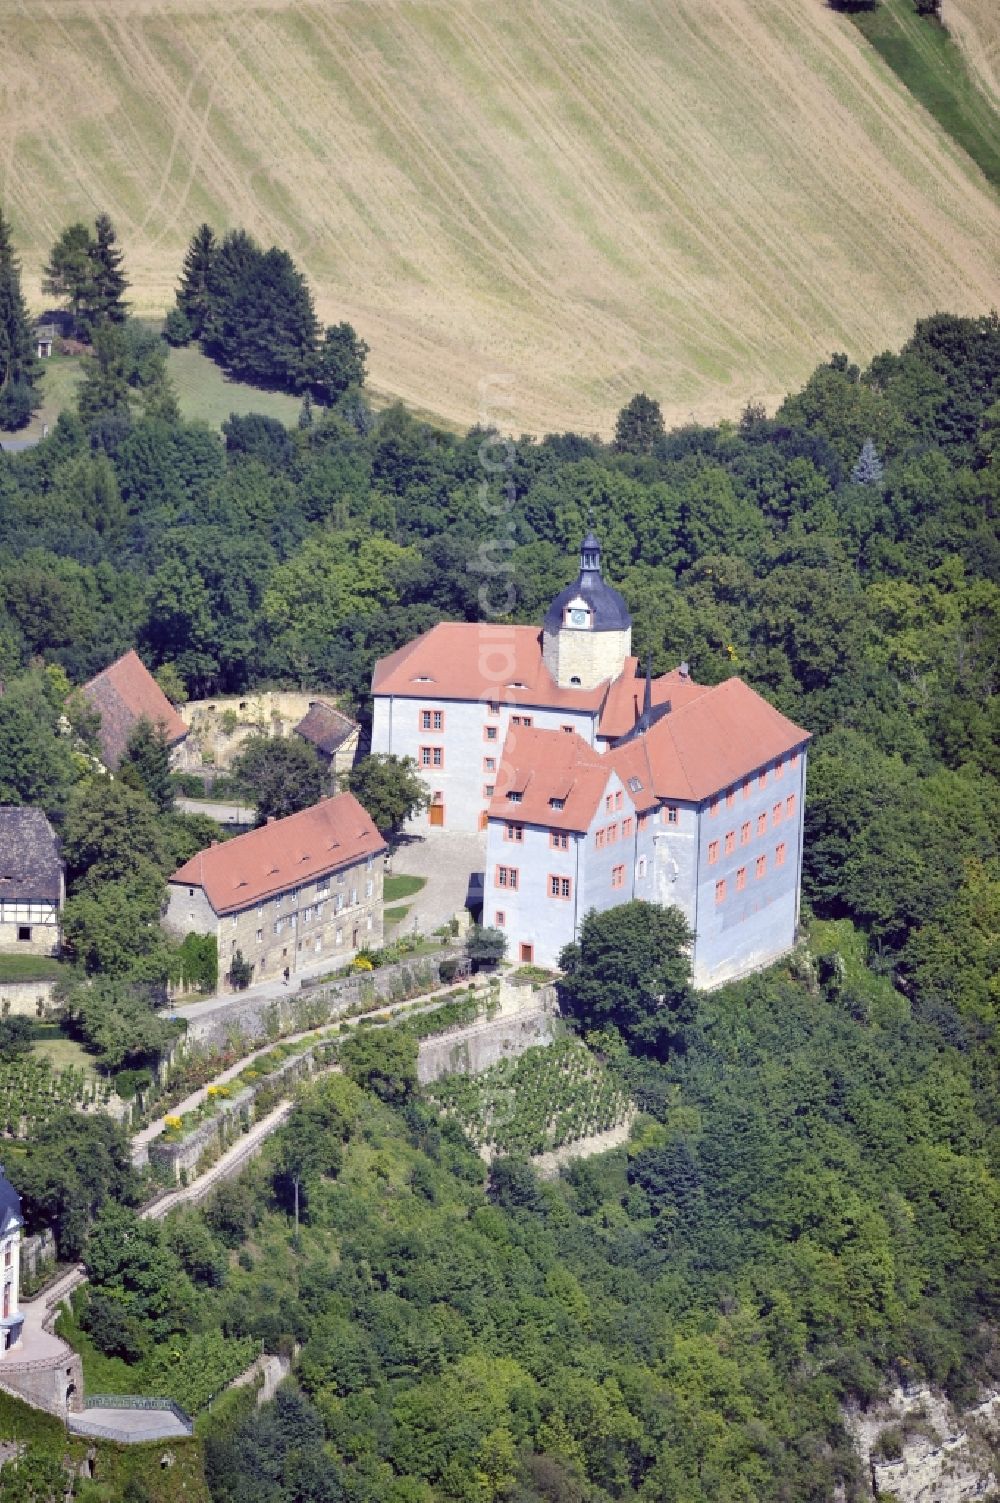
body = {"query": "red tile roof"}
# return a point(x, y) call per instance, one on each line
point(462, 660)
point(545, 765)
point(335, 833)
point(715, 738)
point(713, 741)
point(123, 694)
point(459, 660)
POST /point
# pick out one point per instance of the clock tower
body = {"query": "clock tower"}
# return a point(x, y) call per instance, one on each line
point(587, 634)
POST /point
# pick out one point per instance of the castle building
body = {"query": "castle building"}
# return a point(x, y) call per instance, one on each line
point(11, 1224)
point(595, 787)
point(456, 696)
point(297, 890)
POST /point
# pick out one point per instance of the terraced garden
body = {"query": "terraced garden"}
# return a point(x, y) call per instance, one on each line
point(545, 1099)
point(32, 1091)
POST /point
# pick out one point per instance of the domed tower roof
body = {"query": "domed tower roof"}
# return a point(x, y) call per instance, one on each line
point(608, 610)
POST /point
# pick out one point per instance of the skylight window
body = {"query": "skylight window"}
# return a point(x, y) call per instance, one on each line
point(635, 785)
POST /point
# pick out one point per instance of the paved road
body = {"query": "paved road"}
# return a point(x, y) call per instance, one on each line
point(222, 813)
point(447, 859)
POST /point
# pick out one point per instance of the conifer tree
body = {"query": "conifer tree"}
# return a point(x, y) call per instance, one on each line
point(640, 425)
point(108, 279)
point(868, 470)
point(68, 273)
point(194, 295)
point(18, 367)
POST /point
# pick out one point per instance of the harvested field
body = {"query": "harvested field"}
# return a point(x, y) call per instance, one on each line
point(552, 205)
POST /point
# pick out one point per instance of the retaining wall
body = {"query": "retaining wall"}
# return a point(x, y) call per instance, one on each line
point(477, 1047)
point(29, 999)
point(256, 1019)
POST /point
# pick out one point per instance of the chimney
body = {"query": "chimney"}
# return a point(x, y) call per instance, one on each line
point(271, 819)
point(647, 703)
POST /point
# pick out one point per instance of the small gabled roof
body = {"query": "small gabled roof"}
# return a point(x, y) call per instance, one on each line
point(329, 835)
point(123, 694)
point(30, 864)
point(550, 765)
point(623, 705)
point(326, 727)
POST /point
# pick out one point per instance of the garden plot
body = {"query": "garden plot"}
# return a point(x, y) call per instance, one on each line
point(542, 1101)
point(32, 1091)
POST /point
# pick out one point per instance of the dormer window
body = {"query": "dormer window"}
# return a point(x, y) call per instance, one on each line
point(513, 798)
point(577, 616)
point(557, 803)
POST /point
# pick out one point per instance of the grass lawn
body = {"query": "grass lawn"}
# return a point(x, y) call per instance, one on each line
point(205, 393)
point(60, 378)
point(402, 887)
point(64, 1052)
point(922, 53)
point(396, 915)
point(29, 968)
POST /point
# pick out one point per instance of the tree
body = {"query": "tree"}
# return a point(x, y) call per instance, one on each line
point(630, 969)
point(640, 425)
point(485, 947)
point(280, 775)
point(16, 1037)
point(36, 764)
point(128, 1260)
point(124, 376)
point(69, 272)
point(340, 363)
point(110, 831)
point(390, 788)
point(117, 1023)
point(74, 1165)
point(868, 470)
point(18, 366)
point(108, 280)
point(240, 972)
point(146, 764)
point(383, 1060)
point(194, 295)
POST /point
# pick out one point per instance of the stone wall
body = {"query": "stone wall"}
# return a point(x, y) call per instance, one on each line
point(54, 1384)
point(37, 1253)
point(479, 1046)
point(259, 1018)
point(32, 999)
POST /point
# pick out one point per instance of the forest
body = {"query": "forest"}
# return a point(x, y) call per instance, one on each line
point(809, 1205)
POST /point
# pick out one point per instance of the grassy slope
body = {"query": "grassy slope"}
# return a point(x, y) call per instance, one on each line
point(930, 63)
point(560, 203)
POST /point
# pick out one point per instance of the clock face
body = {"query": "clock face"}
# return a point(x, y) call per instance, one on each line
point(577, 617)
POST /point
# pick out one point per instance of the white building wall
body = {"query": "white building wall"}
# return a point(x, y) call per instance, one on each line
point(531, 915)
point(466, 743)
point(754, 923)
point(10, 1277)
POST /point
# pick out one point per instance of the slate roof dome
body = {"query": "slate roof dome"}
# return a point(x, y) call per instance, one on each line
point(607, 608)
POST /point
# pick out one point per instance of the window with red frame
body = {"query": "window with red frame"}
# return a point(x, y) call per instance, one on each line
point(559, 840)
point(612, 832)
point(741, 878)
point(720, 890)
point(599, 837)
point(745, 833)
point(713, 807)
point(670, 814)
point(713, 852)
point(730, 842)
point(761, 823)
point(489, 789)
point(568, 729)
point(609, 804)
point(560, 887)
point(760, 870)
point(730, 797)
point(513, 832)
point(794, 759)
point(432, 756)
point(489, 764)
point(626, 827)
point(790, 805)
point(777, 812)
point(524, 720)
point(643, 822)
point(490, 733)
point(746, 787)
point(779, 854)
point(618, 876)
point(779, 768)
point(500, 919)
point(507, 876)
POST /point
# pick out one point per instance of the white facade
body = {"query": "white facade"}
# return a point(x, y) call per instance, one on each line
point(11, 1318)
point(732, 864)
point(457, 745)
